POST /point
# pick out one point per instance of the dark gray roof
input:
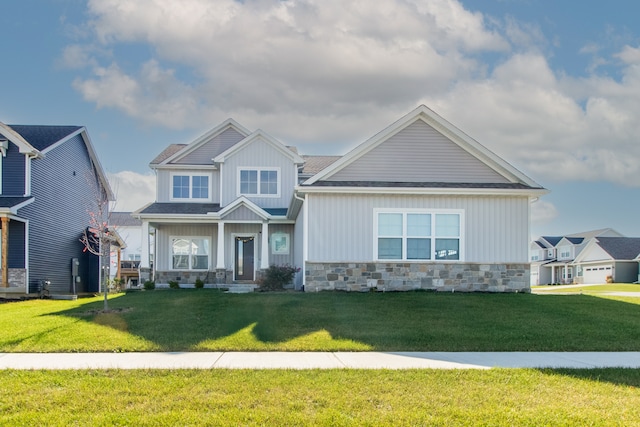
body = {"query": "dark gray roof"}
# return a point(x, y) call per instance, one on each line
point(517, 186)
point(575, 240)
point(314, 164)
point(553, 240)
point(276, 211)
point(197, 209)
point(181, 208)
point(167, 152)
point(11, 201)
point(41, 136)
point(620, 248)
point(539, 243)
point(123, 219)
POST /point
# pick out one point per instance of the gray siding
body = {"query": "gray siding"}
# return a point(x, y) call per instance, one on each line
point(496, 229)
point(204, 154)
point(418, 153)
point(164, 186)
point(13, 172)
point(242, 214)
point(259, 154)
point(65, 190)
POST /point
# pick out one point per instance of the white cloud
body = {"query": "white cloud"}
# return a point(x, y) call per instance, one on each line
point(132, 190)
point(543, 212)
point(311, 71)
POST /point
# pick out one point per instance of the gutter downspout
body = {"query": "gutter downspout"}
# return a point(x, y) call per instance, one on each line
point(305, 230)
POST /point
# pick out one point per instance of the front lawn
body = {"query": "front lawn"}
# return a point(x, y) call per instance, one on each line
point(498, 397)
point(208, 320)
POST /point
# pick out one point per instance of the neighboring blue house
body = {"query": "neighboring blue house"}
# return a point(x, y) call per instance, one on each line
point(50, 180)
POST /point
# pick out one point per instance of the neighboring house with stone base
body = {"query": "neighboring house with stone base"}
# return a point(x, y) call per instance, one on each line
point(50, 180)
point(420, 205)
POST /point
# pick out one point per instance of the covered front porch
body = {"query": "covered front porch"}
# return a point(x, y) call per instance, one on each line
point(234, 245)
point(561, 272)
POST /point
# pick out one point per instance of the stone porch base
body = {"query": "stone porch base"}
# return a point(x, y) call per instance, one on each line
point(442, 277)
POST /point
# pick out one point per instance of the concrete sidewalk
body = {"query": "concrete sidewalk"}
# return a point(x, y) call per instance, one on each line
point(319, 360)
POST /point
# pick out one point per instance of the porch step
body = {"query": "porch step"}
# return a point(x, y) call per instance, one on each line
point(236, 288)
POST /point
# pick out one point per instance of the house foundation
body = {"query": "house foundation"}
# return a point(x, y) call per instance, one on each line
point(441, 277)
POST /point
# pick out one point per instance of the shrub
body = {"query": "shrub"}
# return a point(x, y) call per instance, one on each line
point(199, 284)
point(173, 284)
point(149, 285)
point(277, 276)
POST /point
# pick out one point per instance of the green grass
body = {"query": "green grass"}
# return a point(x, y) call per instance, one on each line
point(589, 289)
point(499, 397)
point(207, 320)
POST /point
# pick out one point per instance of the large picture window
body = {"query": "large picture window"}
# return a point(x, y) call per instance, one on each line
point(418, 235)
point(190, 253)
point(190, 187)
point(258, 182)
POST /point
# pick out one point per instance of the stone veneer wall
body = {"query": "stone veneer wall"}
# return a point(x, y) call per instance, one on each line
point(398, 276)
point(17, 278)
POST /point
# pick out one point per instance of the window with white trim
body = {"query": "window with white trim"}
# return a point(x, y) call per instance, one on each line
point(418, 235)
point(259, 182)
point(190, 186)
point(565, 252)
point(190, 253)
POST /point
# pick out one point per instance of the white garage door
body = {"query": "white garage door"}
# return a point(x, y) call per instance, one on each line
point(597, 273)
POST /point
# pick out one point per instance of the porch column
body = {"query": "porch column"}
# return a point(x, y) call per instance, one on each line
point(264, 257)
point(5, 252)
point(553, 274)
point(144, 256)
point(220, 251)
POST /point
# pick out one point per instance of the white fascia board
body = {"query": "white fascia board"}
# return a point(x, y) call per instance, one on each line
point(92, 155)
point(176, 166)
point(425, 191)
point(19, 141)
point(441, 125)
point(13, 210)
point(169, 218)
point(220, 158)
point(243, 201)
point(201, 140)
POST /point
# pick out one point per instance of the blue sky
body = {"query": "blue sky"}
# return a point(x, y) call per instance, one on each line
point(551, 87)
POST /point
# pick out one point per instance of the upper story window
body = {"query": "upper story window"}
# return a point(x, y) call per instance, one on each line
point(259, 182)
point(535, 256)
point(418, 235)
point(565, 252)
point(188, 186)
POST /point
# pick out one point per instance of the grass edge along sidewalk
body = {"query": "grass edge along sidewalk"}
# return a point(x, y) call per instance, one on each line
point(204, 320)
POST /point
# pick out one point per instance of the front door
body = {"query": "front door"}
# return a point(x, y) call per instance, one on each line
point(244, 257)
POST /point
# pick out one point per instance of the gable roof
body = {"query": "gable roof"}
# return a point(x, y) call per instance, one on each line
point(11, 204)
point(167, 152)
point(25, 147)
point(39, 139)
point(177, 151)
point(620, 248)
point(552, 240)
point(42, 137)
point(455, 135)
point(123, 219)
point(259, 134)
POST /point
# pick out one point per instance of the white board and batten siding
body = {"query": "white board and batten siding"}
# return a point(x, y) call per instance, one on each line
point(341, 227)
point(167, 231)
point(259, 154)
point(210, 231)
point(418, 153)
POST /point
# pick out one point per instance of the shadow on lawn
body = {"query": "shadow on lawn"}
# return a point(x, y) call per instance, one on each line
point(181, 320)
point(618, 376)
